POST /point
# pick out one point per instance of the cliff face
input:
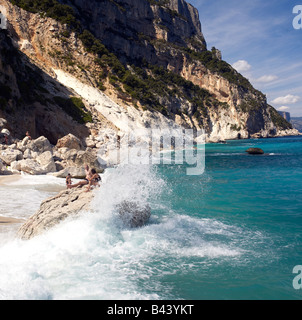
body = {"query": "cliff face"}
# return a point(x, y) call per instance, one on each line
point(27, 97)
point(146, 59)
point(131, 27)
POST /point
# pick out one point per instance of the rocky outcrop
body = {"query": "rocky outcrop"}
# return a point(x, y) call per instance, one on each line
point(131, 27)
point(132, 214)
point(255, 151)
point(38, 156)
point(70, 204)
point(10, 155)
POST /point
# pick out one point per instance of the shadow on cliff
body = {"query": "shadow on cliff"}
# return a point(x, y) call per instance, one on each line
point(31, 100)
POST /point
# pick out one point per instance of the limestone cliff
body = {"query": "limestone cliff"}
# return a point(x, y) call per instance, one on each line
point(31, 100)
point(140, 60)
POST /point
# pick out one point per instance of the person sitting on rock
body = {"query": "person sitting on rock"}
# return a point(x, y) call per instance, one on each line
point(83, 182)
point(93, 180)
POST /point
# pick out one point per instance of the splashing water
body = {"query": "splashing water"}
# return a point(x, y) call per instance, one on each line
point(96, 256)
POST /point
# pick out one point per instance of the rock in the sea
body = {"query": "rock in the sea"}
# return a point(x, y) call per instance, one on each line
point(134, 215)
point(70, 203)
point(255, 151)
point(54, 210)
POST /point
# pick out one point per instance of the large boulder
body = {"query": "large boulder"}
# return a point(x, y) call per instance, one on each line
point(54, 210)
point(72, 158)
point(40, 145)
point(29, 166)
point(72, 202)
point(70, 141)
point(133, 214)
point(89, 157)
point(68, 154)
point(37, 146)
point(10, 155)
point(76, 173)
point(46, 161)
point(42, 164)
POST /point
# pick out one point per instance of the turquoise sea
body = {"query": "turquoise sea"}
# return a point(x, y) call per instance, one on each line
point(234, 232)
point(249, 205)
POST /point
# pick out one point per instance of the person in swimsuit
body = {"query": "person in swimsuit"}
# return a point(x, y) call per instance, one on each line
point(94, 180)
point(85, 181)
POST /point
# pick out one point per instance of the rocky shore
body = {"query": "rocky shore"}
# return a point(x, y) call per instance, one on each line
point(69, 155)
point(67, 203)
point(70, 204)
point(38, 157)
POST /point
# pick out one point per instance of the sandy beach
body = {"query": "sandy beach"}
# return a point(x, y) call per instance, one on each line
point(3, 181)
point(5, 221)
point(8, 179)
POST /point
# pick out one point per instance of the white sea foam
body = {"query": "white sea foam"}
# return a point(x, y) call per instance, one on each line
point(21, 198)
point(95, 256)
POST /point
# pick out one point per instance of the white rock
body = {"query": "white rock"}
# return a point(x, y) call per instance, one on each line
point(69, 141)
point(31, 166)
point(5, 131)
point(15, 166)
point(27, 154)
point(76, 173)
point(39, 145)
point(8, 156)
point(46, 161)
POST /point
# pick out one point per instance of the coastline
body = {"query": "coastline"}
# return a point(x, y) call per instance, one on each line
point(4, 180)
point(9, 179)
point(7, 221)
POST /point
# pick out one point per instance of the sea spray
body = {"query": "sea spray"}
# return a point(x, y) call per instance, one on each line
point(54, 264)
point(139, 184)
point(97, 256)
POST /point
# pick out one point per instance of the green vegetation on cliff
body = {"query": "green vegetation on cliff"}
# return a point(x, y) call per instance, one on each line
point(278, 120)
point(75, 108)
point(145, 83)
point(51, 8)
point(152, 86)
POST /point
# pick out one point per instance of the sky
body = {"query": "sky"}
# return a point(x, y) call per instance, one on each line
point(259, 39)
